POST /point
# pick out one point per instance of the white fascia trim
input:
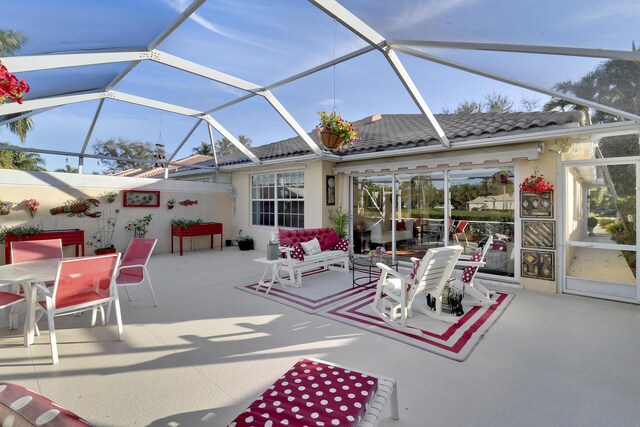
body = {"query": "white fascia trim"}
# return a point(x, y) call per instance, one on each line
point(217, 126)
point(159, 105)
point(55, 101)
point(202, 71)
point(271, 162)
point(290, 121)
point(21, 64)
point(406, 80)
point(518, 83)
point(521, 48)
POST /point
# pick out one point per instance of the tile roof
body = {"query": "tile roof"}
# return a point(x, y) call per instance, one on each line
point(397, 131)
point(153, 172)
point(390, 132)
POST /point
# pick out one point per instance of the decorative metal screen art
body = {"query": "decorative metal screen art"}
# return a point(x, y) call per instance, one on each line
point(539, 234)
point(533, 205)
point(140, 198)
point(538, 264)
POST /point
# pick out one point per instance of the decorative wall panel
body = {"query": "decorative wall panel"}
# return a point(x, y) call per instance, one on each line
point(539, 234)
point(538, 264)
point(534, 205)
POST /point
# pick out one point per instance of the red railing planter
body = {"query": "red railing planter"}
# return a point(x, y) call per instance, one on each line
point(204, 229)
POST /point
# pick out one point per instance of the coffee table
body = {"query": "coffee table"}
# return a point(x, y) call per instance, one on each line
point(366, 264)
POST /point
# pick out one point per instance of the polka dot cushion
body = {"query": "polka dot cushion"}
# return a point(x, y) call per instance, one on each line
point(296, 253)
point(312, 394)
point(342, 245)
point(468, 272)
point(412, 276)
point(21, 407)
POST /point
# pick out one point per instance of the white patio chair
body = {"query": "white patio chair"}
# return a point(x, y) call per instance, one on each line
point(474, 293)
point(429, 275)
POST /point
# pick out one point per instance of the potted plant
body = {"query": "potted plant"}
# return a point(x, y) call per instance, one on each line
point(245, 243)
point(139, 226)
point(335, 132)
point(339, 220)
point(5, 207)
point(171, 203)
point(110, 196)
point(102, 239)
point(592, 222)
point(535, 184)
point(273, 247)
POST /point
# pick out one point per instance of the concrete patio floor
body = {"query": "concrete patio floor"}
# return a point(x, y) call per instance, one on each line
point(208, 350)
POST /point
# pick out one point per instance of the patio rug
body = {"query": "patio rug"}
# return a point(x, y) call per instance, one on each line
point(320, 290)
point(454, 341)
point(329, 294)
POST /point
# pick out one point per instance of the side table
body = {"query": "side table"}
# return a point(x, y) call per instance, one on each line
point(366, 264)
point(271, 275)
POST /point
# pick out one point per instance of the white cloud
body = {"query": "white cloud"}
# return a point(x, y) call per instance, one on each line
point(423, 11)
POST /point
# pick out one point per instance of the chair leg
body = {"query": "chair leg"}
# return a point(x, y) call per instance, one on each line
point(101, 308)
point(94, 313)
point(153, 294)
point(119, 320)
point(126, 288)
point(52, 337)
point(109, 311)
point(394, 402)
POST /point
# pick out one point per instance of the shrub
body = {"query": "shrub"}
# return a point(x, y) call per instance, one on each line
point(603, 222)
point(614, 228)
point(592, 221)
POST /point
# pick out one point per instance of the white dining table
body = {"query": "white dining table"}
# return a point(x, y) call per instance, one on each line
point(26, 274)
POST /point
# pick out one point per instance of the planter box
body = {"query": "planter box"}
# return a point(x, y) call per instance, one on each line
point(69, 237)
point(204, 229)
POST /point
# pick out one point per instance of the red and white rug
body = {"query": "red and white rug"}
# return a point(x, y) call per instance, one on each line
point(320, 290)
point(454, 341)
point(330, 294)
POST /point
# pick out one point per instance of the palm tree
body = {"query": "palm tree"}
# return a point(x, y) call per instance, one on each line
point(224, 146)
point(68, 169)
point(10, 42)
point(204, 149)
point(21, 160)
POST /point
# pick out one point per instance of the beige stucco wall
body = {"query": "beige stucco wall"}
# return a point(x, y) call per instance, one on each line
point(52, 189)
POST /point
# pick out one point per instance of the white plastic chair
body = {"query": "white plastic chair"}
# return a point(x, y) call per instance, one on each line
point(81, 284)
point(474, 293)
point(9, 300)
point(430, 274)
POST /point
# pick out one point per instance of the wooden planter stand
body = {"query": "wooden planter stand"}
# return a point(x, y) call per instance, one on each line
point(69, 237)
point(204, 229)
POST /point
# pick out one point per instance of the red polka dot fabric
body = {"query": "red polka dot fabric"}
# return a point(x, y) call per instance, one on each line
point(296, 253)
point(20, 407)
point(342, 245)
point(468, 272)
point(312, 394)
point(412, 276)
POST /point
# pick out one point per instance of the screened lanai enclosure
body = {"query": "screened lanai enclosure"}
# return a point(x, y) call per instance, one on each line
point(182, 74)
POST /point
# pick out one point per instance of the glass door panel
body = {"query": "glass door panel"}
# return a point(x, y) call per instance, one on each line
point(372, 213)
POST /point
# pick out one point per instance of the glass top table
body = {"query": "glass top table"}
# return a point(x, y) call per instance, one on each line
point(368, 265)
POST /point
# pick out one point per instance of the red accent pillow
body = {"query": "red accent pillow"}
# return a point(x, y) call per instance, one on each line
point(401, 225)
point(342, 245)
point(468, 272)
point(330, 241)
point(296, 253)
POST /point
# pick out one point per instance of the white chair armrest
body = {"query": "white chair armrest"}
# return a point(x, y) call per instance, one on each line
point(386, 269)
point(122, 267)
point(42, 288)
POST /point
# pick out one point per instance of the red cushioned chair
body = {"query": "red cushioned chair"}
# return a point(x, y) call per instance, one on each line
point(133, 270)
point(81, 284)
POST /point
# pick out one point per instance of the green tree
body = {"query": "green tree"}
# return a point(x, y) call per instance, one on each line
point(204, 149)
point(11, 42)
point(493, 103)
point(225, 146)
point(126, 149)
point(68, 169)
point(21, 160)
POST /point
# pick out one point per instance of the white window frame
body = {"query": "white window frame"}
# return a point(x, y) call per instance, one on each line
point(275, 199)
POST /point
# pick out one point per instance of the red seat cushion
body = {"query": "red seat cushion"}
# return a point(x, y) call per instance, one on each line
point(27, 408)
point(468, 272)
point(7, 298)
point(312, 393)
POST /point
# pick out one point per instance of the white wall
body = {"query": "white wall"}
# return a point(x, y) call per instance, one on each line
point(53, 189)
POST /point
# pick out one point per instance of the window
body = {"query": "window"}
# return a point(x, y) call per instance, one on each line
point(277, 199)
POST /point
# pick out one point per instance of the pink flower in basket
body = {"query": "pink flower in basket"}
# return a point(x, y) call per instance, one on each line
point(32, 205)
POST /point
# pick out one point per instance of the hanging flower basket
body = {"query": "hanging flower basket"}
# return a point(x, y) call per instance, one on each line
point(331, 140)
point(535, 184)
point(336, 133)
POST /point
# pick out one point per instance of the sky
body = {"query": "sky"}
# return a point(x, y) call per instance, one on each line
point(265, 42)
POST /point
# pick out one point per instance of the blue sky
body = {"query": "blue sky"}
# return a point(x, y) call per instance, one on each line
point(264, 42)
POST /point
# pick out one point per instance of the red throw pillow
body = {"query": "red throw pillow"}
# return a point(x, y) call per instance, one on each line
point(296, 253)
point(468, 272)
point(401, 225)
point(330, 241)
point(343, 245)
